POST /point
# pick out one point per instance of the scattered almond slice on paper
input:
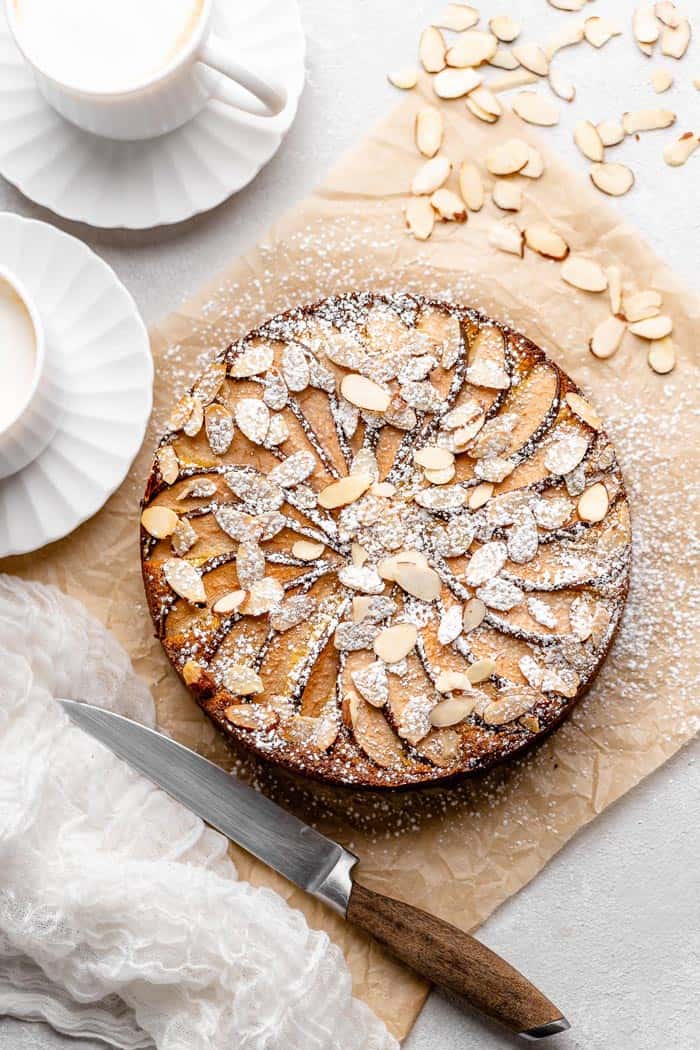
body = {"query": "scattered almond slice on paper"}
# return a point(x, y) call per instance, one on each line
point(420, 217)
point(642, 305)
point(431, 176)
point(513, 79)
point(405, 79)
point(508, 158)
point(535, 109)
point(584, 274)
point(471, 186)
point(534, 168)
point(589, 141)
point(478, 111)
point(598, 31)
point(505, 28)
point(159, 522)
point(454, 83)
point(593, 503)
point(607, 337)
point(533, 58)
point(569, 36)
point(471, 49)
point(696, 83)
point(662, 355)
point(432, 49)
point(653, 328)
point(611, 132)
point(674, 41)
point(613, 179)
point(568, 5)
point(449, 207)
point(458, 18)
point(661, 80)
point(667, 12)
point(647, 120)
point(429, 130)
point(504, 59)
point(561, 87)
point(614, 288)
point(507, 237)
point(546, 241)
point(646, 27)
point(485, 100)
point(507, 196)
point(677, 153)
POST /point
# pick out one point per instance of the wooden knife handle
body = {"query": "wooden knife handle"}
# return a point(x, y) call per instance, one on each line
point(454, 960)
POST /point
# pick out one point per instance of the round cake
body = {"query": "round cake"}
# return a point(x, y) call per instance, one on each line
point(385, 541)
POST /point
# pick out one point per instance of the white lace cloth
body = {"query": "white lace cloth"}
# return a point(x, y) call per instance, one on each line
point(121, 916)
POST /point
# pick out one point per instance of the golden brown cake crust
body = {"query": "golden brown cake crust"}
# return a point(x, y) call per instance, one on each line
point(385, 541)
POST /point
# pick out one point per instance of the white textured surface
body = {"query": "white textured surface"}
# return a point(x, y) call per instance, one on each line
point(610, 929)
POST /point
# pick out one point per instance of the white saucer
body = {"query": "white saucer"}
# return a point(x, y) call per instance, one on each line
point(138, 185)
point(98, 350)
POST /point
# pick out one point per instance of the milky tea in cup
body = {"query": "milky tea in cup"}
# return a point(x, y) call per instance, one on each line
point(105, 46)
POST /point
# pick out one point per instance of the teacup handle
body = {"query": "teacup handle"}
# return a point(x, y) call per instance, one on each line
point(216, 54)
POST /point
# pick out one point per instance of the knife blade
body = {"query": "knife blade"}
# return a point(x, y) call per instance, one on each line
point(441, 952)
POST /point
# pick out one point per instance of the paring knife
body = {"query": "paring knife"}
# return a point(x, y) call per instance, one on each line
point(442, 953)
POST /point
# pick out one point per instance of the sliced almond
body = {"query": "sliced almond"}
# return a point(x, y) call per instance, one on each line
point(508, 158)
point(614, 288)
point(364, 393)
point(593, 503)
point(458, 18)
point(307, 550)
point(394, 643)
point(662, 355)
point(474, 613)
point(645, 26)
point(218, 426)
point(420, 217)
point(471, 49)
point(504, 27)
point(481, 670)
point(252, 361)
point(159, 522)
point(453, 83)
point(450, 712)
point(429, 130)
point(486, 101)
point(509, 707)
point(535, 165)
point(358, 554)
point(507, 196)
point(584, 273)
point(347, 490)
point(613, 179)
point(507, 237)
point(453, 682)
point(263, 596)
point(653, 328)
point(405, 79)
point(647, 120)
point(598, 31)
point(252, 418)
point(251, 716)
point(449, 206)
point(571, 34)
point(480, 495)
point(478, 111)
point(607, 337)
point(674, 41)
point(504, 59)
point(677, 153)
point(546, 241)
point(168, 464)
point(433, 457)
point(532, 57)
point(561, 87)
point(661, 80)
point(440, 477)
point(667, 12)
point(184, 579)
point(518, 77)
point(588, 140)
point(568, 5)
point(431, 176)
point(432, 49)
point(535, 109)
point(611, 132)
point(421, 582)
point(242, 680)
point(641, 305)
point(470, 186)
point(228, 603)
point(696, 83)
point(583, 410)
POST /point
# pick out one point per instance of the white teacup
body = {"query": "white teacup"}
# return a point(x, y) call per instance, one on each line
point(199, 66)
point(27, 413)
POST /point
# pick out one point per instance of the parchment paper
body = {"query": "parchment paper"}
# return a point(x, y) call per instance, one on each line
point(458, 852)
